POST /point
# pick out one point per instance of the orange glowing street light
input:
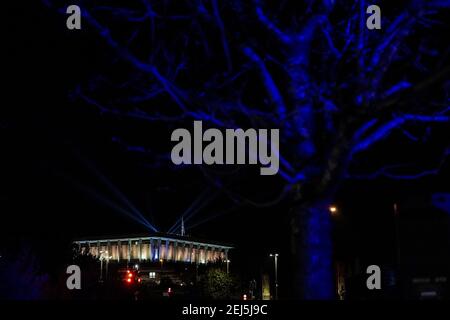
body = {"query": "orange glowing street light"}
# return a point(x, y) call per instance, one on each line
point(333, 209)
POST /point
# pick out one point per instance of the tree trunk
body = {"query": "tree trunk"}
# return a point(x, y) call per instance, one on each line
point(313, 252)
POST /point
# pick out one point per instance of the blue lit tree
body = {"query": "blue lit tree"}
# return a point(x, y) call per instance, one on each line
point(21, 277)
point(337, 91)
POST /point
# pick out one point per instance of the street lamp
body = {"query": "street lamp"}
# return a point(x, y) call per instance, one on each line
point(333, 210)
point(275, 255)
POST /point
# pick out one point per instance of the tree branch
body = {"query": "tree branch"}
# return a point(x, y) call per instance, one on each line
point(268, 81)
point(283, 37)
point(223, 36)
point(386, 171)
point(386, 129)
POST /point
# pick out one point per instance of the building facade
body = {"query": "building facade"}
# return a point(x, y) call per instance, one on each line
point(154, 248)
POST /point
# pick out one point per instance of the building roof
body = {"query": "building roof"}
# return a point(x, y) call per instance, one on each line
point(154, 235)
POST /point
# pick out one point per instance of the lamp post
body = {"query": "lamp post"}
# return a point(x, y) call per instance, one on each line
point(228, 266)
point(103, 257)
point(275, 256)
point(107, 263)
point(101, 266)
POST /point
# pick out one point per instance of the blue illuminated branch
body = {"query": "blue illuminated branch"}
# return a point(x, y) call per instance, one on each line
point(283, 37)
point(127, 14)
point(268, 81)
point(176, 95)
point(402, 85)
point(199, 115)
point(327, 31)
point(395, 29)
point(135, 114)
point(388, 171)
point(223, 36)
point(241, 200)
point(364, 128)
point(409, 135)
point(432, 4)
point(361, 31)
point(386, 129)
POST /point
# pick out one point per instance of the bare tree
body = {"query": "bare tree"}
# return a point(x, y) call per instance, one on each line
point(335, 89)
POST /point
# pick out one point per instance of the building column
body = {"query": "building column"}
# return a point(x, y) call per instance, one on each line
point(207, 249)
point(185, 257)
point(151, 250)
point(197, 254)
point(218, 254)
point(167, 245)
point(190, 252)
point(140, 250)
point(149, 253)
point(181, 249)
point(119, 249)
point(129, 250)
point(211, 254)
point(159, 249)
point(175, 251)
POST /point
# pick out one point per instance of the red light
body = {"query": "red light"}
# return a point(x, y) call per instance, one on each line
point(128, 271)
point(130, 275)
point(129, 280)
point(139, 280)
point(169, 290)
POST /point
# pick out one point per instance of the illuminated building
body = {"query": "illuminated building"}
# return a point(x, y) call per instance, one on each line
point(153, 248)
